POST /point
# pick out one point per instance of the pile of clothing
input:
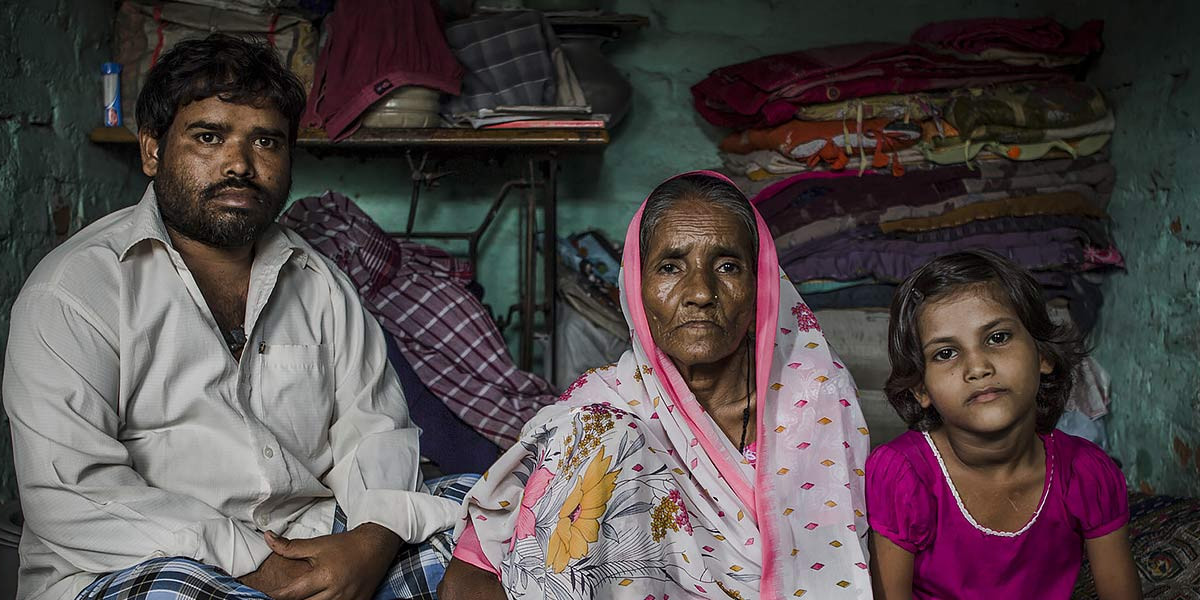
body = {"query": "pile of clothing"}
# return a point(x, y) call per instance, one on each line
point(591, 328)
point(521, 74)
point(869, 160)
point(383, 64)
point(422, 296)
point(959, 91)
point(391, 64)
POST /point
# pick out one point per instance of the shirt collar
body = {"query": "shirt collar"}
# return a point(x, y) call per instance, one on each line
point(148, 225)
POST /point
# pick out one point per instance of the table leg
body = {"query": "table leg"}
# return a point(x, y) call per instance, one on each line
point(529, 272)
point(412, 206)
point(550, 256)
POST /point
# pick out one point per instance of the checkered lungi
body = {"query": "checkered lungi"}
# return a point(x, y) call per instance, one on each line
point(415, 574)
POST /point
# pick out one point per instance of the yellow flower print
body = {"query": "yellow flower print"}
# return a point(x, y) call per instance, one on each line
point(579, 518)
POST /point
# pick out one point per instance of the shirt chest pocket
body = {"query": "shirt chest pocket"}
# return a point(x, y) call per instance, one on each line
point(294, 395)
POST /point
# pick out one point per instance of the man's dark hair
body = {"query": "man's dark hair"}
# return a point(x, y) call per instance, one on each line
point(232, 69)
point(1060, 344)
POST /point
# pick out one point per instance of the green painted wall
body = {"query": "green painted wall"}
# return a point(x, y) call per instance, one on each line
point(1150, 333)
point(1149, 338)
point(51, 180)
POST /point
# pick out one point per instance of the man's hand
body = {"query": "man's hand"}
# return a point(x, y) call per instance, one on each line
point(341, 566)
point(274, 573)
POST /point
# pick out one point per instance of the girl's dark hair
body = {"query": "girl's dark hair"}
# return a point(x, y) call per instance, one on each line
point(230, 68)
point(1060, 344)
point(702, 187)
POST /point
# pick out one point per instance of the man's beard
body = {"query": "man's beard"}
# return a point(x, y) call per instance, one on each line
point(189, 211)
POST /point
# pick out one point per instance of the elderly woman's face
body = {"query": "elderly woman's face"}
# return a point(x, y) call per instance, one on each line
point(698, 284)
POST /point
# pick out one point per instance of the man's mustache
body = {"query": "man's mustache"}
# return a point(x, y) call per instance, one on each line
point(215, 189)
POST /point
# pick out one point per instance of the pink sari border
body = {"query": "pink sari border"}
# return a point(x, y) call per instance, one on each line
point(765, 330)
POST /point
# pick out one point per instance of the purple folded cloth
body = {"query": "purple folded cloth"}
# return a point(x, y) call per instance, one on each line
point(891, 260)
point(1094, 231)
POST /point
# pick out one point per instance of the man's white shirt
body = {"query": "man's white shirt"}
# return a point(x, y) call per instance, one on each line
point(136, 433)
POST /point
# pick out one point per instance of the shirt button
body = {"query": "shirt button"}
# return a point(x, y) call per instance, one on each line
point(268, 452)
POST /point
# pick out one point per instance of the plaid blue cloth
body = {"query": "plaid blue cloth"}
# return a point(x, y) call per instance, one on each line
point(415, 574)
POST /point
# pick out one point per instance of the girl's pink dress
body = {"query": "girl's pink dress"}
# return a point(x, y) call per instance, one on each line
point(912, 502)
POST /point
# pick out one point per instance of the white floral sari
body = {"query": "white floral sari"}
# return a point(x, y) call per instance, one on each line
point(628, 489)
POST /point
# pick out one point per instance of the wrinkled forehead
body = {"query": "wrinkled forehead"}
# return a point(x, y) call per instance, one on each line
point(693, 219)
point(698, 213)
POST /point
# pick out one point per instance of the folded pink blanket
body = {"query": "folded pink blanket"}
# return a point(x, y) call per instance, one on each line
point(765, 91)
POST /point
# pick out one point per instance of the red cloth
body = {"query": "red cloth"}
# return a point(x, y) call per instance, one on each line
point(764, 92)
point(973, 36)
point(374, 47)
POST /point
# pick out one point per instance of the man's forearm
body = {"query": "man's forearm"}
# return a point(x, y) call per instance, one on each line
point(380, 537)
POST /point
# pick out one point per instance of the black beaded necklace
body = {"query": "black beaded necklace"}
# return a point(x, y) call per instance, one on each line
point(746, 411)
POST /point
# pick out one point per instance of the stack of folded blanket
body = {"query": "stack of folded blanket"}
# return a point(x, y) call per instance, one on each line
point(868, 160)
point(960, 91)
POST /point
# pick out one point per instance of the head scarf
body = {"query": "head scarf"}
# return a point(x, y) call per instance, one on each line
point(628, 489)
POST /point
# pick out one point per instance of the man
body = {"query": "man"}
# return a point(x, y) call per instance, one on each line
point(197, 397)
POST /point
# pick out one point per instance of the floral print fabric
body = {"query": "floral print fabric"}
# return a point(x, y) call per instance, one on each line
point(627, 489)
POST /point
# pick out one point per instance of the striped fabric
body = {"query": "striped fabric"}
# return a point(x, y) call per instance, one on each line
point(415, 574)
point(419, 295)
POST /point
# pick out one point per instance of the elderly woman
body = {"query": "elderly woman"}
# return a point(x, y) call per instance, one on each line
point(720, 458)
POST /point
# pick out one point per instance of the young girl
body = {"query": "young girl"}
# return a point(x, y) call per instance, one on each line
point(982, 498)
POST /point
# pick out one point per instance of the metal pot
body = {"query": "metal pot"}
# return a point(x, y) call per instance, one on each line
point(606, 89)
